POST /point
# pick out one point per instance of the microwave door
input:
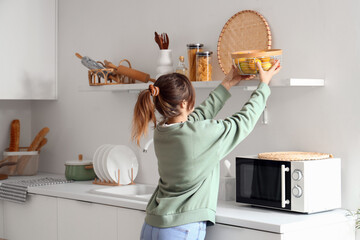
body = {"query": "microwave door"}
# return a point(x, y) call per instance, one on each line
point(263, 183)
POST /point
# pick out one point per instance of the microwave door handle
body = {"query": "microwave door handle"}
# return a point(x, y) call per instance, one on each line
point(284, 201)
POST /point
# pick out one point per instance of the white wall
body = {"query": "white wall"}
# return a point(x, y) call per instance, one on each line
point(319, 41)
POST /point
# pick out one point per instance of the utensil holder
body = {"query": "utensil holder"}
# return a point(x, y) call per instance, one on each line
point(165, 63)
point(108, 76)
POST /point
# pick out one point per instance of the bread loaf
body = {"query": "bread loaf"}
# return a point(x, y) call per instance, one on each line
point(14, 136)
point(37, 140)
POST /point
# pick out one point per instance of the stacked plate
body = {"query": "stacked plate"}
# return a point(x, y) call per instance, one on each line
point(108, 159)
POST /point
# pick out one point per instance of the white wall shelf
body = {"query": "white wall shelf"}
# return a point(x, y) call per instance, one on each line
point(245, 85)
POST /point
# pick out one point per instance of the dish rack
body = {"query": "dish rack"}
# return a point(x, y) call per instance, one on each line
point(108, 76)
point(115, 183)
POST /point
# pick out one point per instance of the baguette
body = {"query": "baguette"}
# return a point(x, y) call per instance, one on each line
point(37, 140)
point(14, 143)
point(42, 143)
point(14, 136)
point(24, 160)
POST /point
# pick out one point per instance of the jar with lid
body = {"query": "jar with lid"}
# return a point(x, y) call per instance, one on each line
point(193, 48)
point(203, 66)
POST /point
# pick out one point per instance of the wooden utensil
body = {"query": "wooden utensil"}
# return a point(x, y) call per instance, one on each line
point(129, 72)
point(165, 41)
point(3, 176)
point(162, 40)
point(7, 164)
point(157, 40)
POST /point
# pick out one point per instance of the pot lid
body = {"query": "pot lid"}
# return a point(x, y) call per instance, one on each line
point(77, 162)
point(80, 161)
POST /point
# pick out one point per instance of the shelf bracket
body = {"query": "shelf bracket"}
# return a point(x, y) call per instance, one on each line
point(265, 119)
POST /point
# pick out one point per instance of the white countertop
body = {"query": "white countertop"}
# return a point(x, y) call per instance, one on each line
point(228, 212)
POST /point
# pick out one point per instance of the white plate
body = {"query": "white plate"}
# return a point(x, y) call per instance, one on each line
point(95, 159)
point(123, 158)
point(101, 163)
point(101, 158)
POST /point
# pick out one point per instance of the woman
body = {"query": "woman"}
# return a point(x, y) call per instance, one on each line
point(189, 145)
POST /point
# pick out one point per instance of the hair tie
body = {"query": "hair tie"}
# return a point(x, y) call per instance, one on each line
point(154, 90)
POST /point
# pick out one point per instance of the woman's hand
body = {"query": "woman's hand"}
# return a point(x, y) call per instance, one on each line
point(233, 78)
point(266, 76)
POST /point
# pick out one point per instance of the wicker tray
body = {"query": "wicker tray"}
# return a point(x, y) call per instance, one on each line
point(246, 30)
point(293, 156)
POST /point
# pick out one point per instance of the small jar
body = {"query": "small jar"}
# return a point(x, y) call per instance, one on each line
point(203, 66)
point(192, 50)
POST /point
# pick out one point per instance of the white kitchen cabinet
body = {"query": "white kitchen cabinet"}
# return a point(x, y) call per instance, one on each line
point(337, 231)
point(35, 219)
point(80, 220)
point(130, 223)
point(28, 49)
point(220, 231)
point(1, 219)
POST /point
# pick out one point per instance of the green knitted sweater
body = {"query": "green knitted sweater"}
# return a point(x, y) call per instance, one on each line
point(189, 154)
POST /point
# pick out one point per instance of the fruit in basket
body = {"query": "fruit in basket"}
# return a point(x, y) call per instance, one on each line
point(267, 59)
point(239, 60)
point(266, 65)
point(264, 59)
point(252, 63)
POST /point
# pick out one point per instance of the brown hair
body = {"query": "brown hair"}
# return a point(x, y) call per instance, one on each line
point(173, 89)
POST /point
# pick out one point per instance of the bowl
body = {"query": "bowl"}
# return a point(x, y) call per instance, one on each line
point(245, 61)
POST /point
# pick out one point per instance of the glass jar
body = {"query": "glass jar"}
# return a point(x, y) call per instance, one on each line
point(203, 66)
point(181, 68)
point(192, 50)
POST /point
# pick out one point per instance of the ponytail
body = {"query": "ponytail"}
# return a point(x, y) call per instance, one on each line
point(144, 112)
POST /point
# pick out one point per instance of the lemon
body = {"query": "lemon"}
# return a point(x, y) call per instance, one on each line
point(266, 66)
point(252, 63)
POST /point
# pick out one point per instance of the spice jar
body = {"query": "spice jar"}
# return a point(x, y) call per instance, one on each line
point(203, 66)
point(192, 50)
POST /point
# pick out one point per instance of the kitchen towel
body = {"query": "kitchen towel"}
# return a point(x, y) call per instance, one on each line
point(16, 190)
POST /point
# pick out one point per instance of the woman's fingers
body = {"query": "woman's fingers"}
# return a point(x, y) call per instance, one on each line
point(275, 66)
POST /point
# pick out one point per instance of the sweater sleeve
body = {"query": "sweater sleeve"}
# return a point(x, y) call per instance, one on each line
point(211, 106)
point(237, 127)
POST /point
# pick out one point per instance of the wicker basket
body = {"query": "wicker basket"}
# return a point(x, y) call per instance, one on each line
point(293, 156)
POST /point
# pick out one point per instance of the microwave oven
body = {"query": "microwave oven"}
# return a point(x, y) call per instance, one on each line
point(306, 186)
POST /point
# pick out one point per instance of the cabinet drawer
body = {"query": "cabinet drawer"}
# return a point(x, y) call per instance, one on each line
point(220, 231)
point(130, 223)
point(35, 219)
point(86, 221)
point(2, 219)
